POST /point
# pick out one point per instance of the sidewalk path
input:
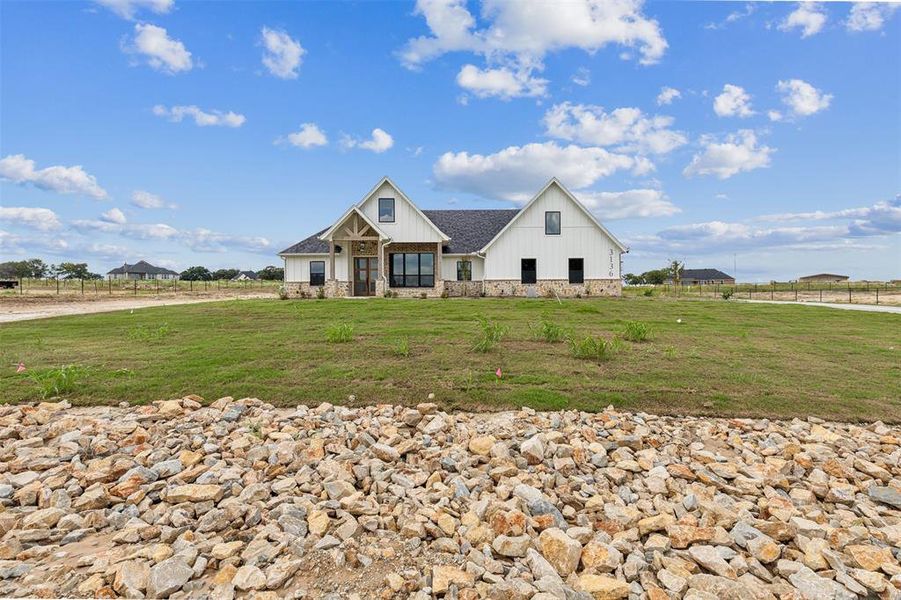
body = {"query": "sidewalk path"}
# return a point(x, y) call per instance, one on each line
point(882, 308)
point(24, 312)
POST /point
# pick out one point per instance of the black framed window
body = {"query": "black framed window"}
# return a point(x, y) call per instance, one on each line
point(317, 272)
point(412, 269)
point(386, 210)
point(552, 222)
point(464, 270)
point(529, 270)
point(577, 270)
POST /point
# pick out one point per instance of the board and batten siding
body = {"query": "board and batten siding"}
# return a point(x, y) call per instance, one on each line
point(579, 238)
point(408, 225)
point(449, 267)
point(297, 267)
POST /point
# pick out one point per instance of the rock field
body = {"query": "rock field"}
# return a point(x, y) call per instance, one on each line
point(240, 499)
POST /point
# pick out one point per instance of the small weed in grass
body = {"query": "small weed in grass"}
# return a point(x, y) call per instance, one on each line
point(593, 348)
point(548, 331)
point(402, 347)
point(726, 294)
point(143, 333)
point(636, 331)
point(490, 333)
point(339, 333)
point(670, 352)
point(648, 292)
point(55, 382)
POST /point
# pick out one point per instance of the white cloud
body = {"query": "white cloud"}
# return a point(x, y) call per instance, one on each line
point(737, 153)
point(582, 77)
point(65, 180)
point(522, 33)
point(204, 240)
point(128, 8)
point(161, 52)
point(626, 128)
point(733, 102)
point(882, 217)
point(628, 204)
point(143, 199)
point(380, 141)
point(502, 82)
point(870, 16)
point(140, 231)
point(42, 219)
point(809, 17)
point(114, 215)
point(309, 136)
point(774, 115)
point(283, 55)
point(517, 172)
point(733, 16)
point(802, 98)
point(667, 95)
point(215, 118)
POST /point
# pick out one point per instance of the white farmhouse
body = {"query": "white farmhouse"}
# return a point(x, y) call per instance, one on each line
point(384, 243)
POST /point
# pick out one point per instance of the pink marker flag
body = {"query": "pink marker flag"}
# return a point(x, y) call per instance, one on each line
point(498, 373)
point(20, 368)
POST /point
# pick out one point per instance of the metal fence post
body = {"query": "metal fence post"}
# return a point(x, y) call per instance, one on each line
point(136, 287)
point(57, 285)
point(877, 295)
point(849, 293)
point(82, 287)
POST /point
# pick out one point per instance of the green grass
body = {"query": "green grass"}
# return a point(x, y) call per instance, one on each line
point(725, 358)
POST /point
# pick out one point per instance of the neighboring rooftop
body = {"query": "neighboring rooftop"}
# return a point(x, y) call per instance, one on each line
point(703, 274)
point(823, 276)
point(247, 274)
point(142, 266)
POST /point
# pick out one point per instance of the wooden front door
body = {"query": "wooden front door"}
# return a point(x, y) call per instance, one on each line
point(366, 270)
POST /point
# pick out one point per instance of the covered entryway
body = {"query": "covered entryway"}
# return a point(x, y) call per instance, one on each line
point(366, 272)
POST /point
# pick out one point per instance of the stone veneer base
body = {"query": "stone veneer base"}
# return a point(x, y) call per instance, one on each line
point(472, 289)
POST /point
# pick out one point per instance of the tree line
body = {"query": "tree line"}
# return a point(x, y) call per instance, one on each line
point(35, 268)
point(671, 272)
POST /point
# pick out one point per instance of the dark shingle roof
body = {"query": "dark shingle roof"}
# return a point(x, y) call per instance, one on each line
point(141, 267)
point(470, 230)
point(703, 274)
point(311, 245)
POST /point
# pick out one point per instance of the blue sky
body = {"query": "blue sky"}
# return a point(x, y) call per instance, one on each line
point(765, 135)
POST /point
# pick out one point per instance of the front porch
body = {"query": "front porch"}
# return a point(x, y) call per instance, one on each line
point(375, 264)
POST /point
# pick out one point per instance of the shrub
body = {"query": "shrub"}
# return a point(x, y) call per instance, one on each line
point(402, 347)
point(648, 292)
point(142, 333)
point(727, 294)
point(636, 331)
point(423, 295)
point(445, 294)
point(320, 292)
point(339, 333)
point(282, 292)
point(54, 382)
point(593, 348)
point(548, 331)
point(490, 333)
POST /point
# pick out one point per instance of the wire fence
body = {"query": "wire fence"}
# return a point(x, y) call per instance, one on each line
point(132, 287)
point(857, 292)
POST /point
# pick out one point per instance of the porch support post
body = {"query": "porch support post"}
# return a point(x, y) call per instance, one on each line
point(331, 259)
point(438, 261)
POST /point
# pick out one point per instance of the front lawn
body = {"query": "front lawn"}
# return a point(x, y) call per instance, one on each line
point(724, 358)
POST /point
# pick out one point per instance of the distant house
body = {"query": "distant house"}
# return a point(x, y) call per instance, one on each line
point(705, 277)
point(141, 270)
point(246, 276)
point(823, 278)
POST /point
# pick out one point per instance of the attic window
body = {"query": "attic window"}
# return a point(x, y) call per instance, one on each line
point(386, 210)
point(552, 222)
